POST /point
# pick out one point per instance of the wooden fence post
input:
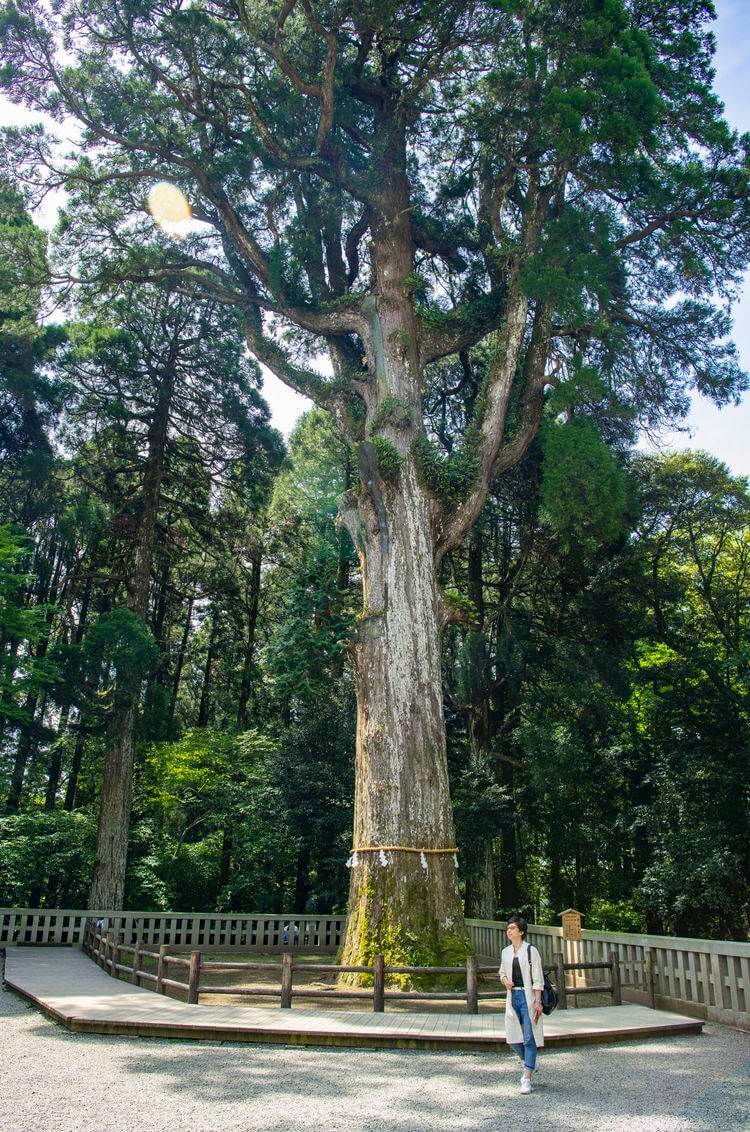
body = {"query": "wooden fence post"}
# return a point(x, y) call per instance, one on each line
point(472, 985)
point(115, 957)
point(135, 976)
point(160, 988)
point(378, 984)
point(616, 986)
point(194, 976)
point(286, 980)
point(562, 998)
point(650, 975)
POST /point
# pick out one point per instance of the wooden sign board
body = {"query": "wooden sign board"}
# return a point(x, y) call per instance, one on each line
point(571, 924)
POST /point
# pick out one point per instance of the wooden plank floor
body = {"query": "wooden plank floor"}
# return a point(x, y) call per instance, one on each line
point(69, 987)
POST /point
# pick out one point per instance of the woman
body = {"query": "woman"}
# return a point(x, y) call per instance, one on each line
point(522, 976)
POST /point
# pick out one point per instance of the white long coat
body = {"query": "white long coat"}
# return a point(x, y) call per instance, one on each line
point(513, 1029)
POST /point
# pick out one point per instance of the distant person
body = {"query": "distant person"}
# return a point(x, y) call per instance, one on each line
point(285, 934)
point(522, 976)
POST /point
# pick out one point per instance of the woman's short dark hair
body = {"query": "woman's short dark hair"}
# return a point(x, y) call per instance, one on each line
point(523, 927)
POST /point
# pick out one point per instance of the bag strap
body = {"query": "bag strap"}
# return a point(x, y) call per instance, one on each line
point(531, 969)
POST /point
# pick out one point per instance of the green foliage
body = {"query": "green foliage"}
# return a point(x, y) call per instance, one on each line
point(36, 846)
point(121, 640)
point(21, 672)
point(390, 460)
point(450, 477)
point(29, 395)
point(615, 916)
point(465, 607)
point(573, 264)
point(583, 486)
point(315, 632)
point(416, 285)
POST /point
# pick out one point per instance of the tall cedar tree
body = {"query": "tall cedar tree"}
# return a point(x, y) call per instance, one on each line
point(393, 183)
point(165, 374)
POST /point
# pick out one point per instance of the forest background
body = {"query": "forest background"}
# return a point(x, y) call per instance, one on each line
point(596, 698)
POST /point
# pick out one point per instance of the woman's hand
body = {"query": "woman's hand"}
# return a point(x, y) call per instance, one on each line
point(506, 982)
point(537, 1010)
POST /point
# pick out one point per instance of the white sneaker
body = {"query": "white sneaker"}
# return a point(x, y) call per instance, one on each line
point(526, 1085)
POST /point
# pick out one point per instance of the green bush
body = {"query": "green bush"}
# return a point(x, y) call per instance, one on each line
point(47, 857)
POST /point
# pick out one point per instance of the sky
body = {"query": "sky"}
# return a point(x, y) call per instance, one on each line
point(723, 432)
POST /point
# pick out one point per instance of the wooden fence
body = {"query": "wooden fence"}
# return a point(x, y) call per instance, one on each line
point(107, 948)
point(178, 929)
point(707, 979)
point(702, 978)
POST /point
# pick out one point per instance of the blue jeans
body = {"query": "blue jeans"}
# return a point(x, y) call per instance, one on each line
point(527, 1051)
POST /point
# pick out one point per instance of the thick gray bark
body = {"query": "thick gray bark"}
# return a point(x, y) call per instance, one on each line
point(403, 903)
point(406, 904)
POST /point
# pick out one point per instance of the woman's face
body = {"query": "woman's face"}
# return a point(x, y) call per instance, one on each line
point(513, 933)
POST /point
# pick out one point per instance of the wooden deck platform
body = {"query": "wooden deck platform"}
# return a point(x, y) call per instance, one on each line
point(70, 988)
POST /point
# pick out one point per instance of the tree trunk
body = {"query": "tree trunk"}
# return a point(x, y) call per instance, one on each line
point(26, 743)
point(180, 661)
point(509, 893)
point(559, 896)
point(247, 668)
point(481, 901)
point(403, 904)
point(225, 860)
point(56, 761)
point(108, 883)
point(204, 708)
point(71, 788)
point(404, 900)
point(155, 700)
point(54, 768)
point(302, 880)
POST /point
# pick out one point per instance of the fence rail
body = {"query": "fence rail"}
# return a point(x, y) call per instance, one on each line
point(707, 979)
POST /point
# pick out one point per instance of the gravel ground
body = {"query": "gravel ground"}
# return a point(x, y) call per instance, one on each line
point(55, 1080)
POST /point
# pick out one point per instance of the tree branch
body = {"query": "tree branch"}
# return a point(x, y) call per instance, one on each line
point(491, 456)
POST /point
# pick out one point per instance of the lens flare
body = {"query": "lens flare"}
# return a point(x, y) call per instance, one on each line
point(170, 209)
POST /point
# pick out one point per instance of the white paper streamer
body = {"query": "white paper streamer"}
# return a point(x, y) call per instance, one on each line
point(423, 861)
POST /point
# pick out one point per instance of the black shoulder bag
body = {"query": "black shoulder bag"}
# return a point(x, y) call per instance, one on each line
point(549, 994)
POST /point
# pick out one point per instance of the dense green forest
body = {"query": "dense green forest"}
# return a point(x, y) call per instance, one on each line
point(159, 534)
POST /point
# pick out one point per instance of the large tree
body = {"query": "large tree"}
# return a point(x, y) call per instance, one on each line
point(170, 400)
point(393, 184)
